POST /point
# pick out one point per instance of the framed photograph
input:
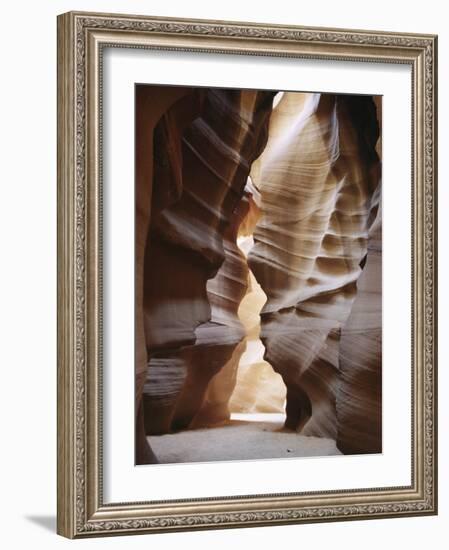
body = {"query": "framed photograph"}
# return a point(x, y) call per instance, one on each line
point(246, 274)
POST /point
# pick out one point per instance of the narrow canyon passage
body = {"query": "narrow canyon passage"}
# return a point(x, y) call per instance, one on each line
point(262, 339)
point(252, 395)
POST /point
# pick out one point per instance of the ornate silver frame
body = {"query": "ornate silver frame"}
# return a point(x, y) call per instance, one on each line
point(81, 511)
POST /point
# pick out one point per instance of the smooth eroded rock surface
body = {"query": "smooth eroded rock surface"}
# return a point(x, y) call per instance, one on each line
point(359, 396)
point(258, 272)
point(317, 176)
point(195, 275)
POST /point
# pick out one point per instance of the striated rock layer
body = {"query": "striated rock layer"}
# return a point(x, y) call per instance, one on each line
point(150, 106)
point(220, 341)
point(359, 395)
point(214, 167)
point(258, 388)
point(317, 176)
point(191, 328)
point(246, 383)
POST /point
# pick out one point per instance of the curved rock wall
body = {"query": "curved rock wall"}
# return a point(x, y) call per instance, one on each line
point(359, 395)
point(202, 165)
point(151, 105)
point(317, 176)
point(312, 201)
point(247, 383)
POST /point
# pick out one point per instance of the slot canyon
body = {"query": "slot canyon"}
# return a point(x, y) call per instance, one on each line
point(258, 274)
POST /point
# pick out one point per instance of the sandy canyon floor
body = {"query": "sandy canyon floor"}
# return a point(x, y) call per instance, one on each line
point(244, 437)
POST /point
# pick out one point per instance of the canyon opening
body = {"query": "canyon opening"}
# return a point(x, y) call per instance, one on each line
point(258, 272)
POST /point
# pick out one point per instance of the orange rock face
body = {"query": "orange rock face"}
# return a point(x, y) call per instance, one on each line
point(258, 214)
point(318, 177)
point(359, 395)
point(195, 275)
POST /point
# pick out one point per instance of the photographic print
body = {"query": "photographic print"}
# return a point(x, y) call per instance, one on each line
point(258, 270)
